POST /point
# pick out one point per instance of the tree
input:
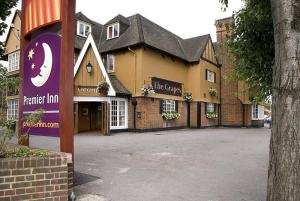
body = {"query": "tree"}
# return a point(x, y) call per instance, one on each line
point(5, 11)
point(8, 84)
point(284, 163)
point(251, 42)
point(284, 166)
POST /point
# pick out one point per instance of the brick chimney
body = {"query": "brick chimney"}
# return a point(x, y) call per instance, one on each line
point(232, 110)
point(221, 26)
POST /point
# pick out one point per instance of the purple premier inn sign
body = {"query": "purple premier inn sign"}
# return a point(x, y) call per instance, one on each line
point(41, 84)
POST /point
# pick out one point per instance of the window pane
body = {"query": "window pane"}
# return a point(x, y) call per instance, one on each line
point(110, 63)
point(114, 113)
point(116, 30)
point(81, 29)
point(121, 113)
point(210, 107)
point(87, 30)
point(169, 106)
point(110, 32)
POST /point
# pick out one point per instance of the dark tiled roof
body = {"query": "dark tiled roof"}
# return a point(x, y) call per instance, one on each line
point(118, 86)
point(138, 30)
point(143, 31)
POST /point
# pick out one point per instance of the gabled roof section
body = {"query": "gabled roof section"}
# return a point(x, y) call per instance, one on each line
point(118, 18)
point(17, 13)
point(91, 43)
point(194, 47)
point(96, 30)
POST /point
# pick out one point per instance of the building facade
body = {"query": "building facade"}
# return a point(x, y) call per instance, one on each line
point(134, 53)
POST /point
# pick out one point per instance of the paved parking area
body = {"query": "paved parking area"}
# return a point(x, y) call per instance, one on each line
point(219, 164)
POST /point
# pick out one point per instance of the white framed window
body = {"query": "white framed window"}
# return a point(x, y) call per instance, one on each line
point(113, 31)
point(13, 61)
point(110, 60)
point(210, 76)
point(118, 114)
point(83, 29)
point(210, 107)
point(169, 106)
point(257, 112)
point(13, 109)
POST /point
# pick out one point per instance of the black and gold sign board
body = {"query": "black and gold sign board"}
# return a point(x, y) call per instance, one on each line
point(167, 87)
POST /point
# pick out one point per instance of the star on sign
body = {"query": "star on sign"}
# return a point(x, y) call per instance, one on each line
point(30, 54)
point(32, 66)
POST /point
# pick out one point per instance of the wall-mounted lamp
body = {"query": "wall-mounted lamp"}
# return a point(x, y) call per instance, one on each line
point(89, 67)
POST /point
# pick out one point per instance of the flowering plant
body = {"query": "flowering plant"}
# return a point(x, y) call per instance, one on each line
point(211, 115)
point(147, 89)
point(103, 87)
point(170, 115)
point(212, 92)
point(188, 97)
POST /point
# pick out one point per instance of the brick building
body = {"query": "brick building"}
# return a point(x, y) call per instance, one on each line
point(236, 108)
point(131, 53)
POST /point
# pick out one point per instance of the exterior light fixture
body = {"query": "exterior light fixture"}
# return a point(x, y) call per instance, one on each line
point(89, 67)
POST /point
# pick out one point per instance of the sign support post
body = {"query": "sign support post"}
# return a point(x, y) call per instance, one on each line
point(66, 91)
point(23, 44)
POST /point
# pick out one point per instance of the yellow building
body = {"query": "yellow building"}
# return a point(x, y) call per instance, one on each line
point(134, 53)
point(136, 57)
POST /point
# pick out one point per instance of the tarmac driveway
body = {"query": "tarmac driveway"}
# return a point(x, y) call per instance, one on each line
point(185, 165)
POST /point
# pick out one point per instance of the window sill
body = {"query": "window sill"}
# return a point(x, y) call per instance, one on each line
point(15, 72)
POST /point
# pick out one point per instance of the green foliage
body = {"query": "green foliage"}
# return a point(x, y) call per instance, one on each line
point(32, 119)
point(4, 138)
point(5, 11)
point(251, 43)
point(170, 115)
point(211, 115)
point(9, 130)
point(25, 152)
point(188, 97)
point(103, 87)
point(8, 85)
point(212, 92)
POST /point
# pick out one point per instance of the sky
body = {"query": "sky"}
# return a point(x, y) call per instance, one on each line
point(185, 18)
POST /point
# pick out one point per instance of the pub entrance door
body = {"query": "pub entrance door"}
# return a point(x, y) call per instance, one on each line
point(92, 117)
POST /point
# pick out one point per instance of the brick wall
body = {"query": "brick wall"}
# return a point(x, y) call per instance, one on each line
point(193, 115)
point(152, 119)
point(35, 178)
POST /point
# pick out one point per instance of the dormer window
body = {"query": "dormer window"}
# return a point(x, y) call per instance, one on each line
point(113, 31)
point(83, 29)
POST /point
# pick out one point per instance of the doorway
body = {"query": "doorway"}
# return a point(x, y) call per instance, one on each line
point(91, 117)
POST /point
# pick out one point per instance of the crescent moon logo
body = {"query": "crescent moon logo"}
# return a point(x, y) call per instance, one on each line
point(46, 68)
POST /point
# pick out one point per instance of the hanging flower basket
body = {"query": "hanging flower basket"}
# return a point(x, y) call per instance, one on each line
point(188, 97)
point(147, 89)
point(212, 92)
point(103, 88)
